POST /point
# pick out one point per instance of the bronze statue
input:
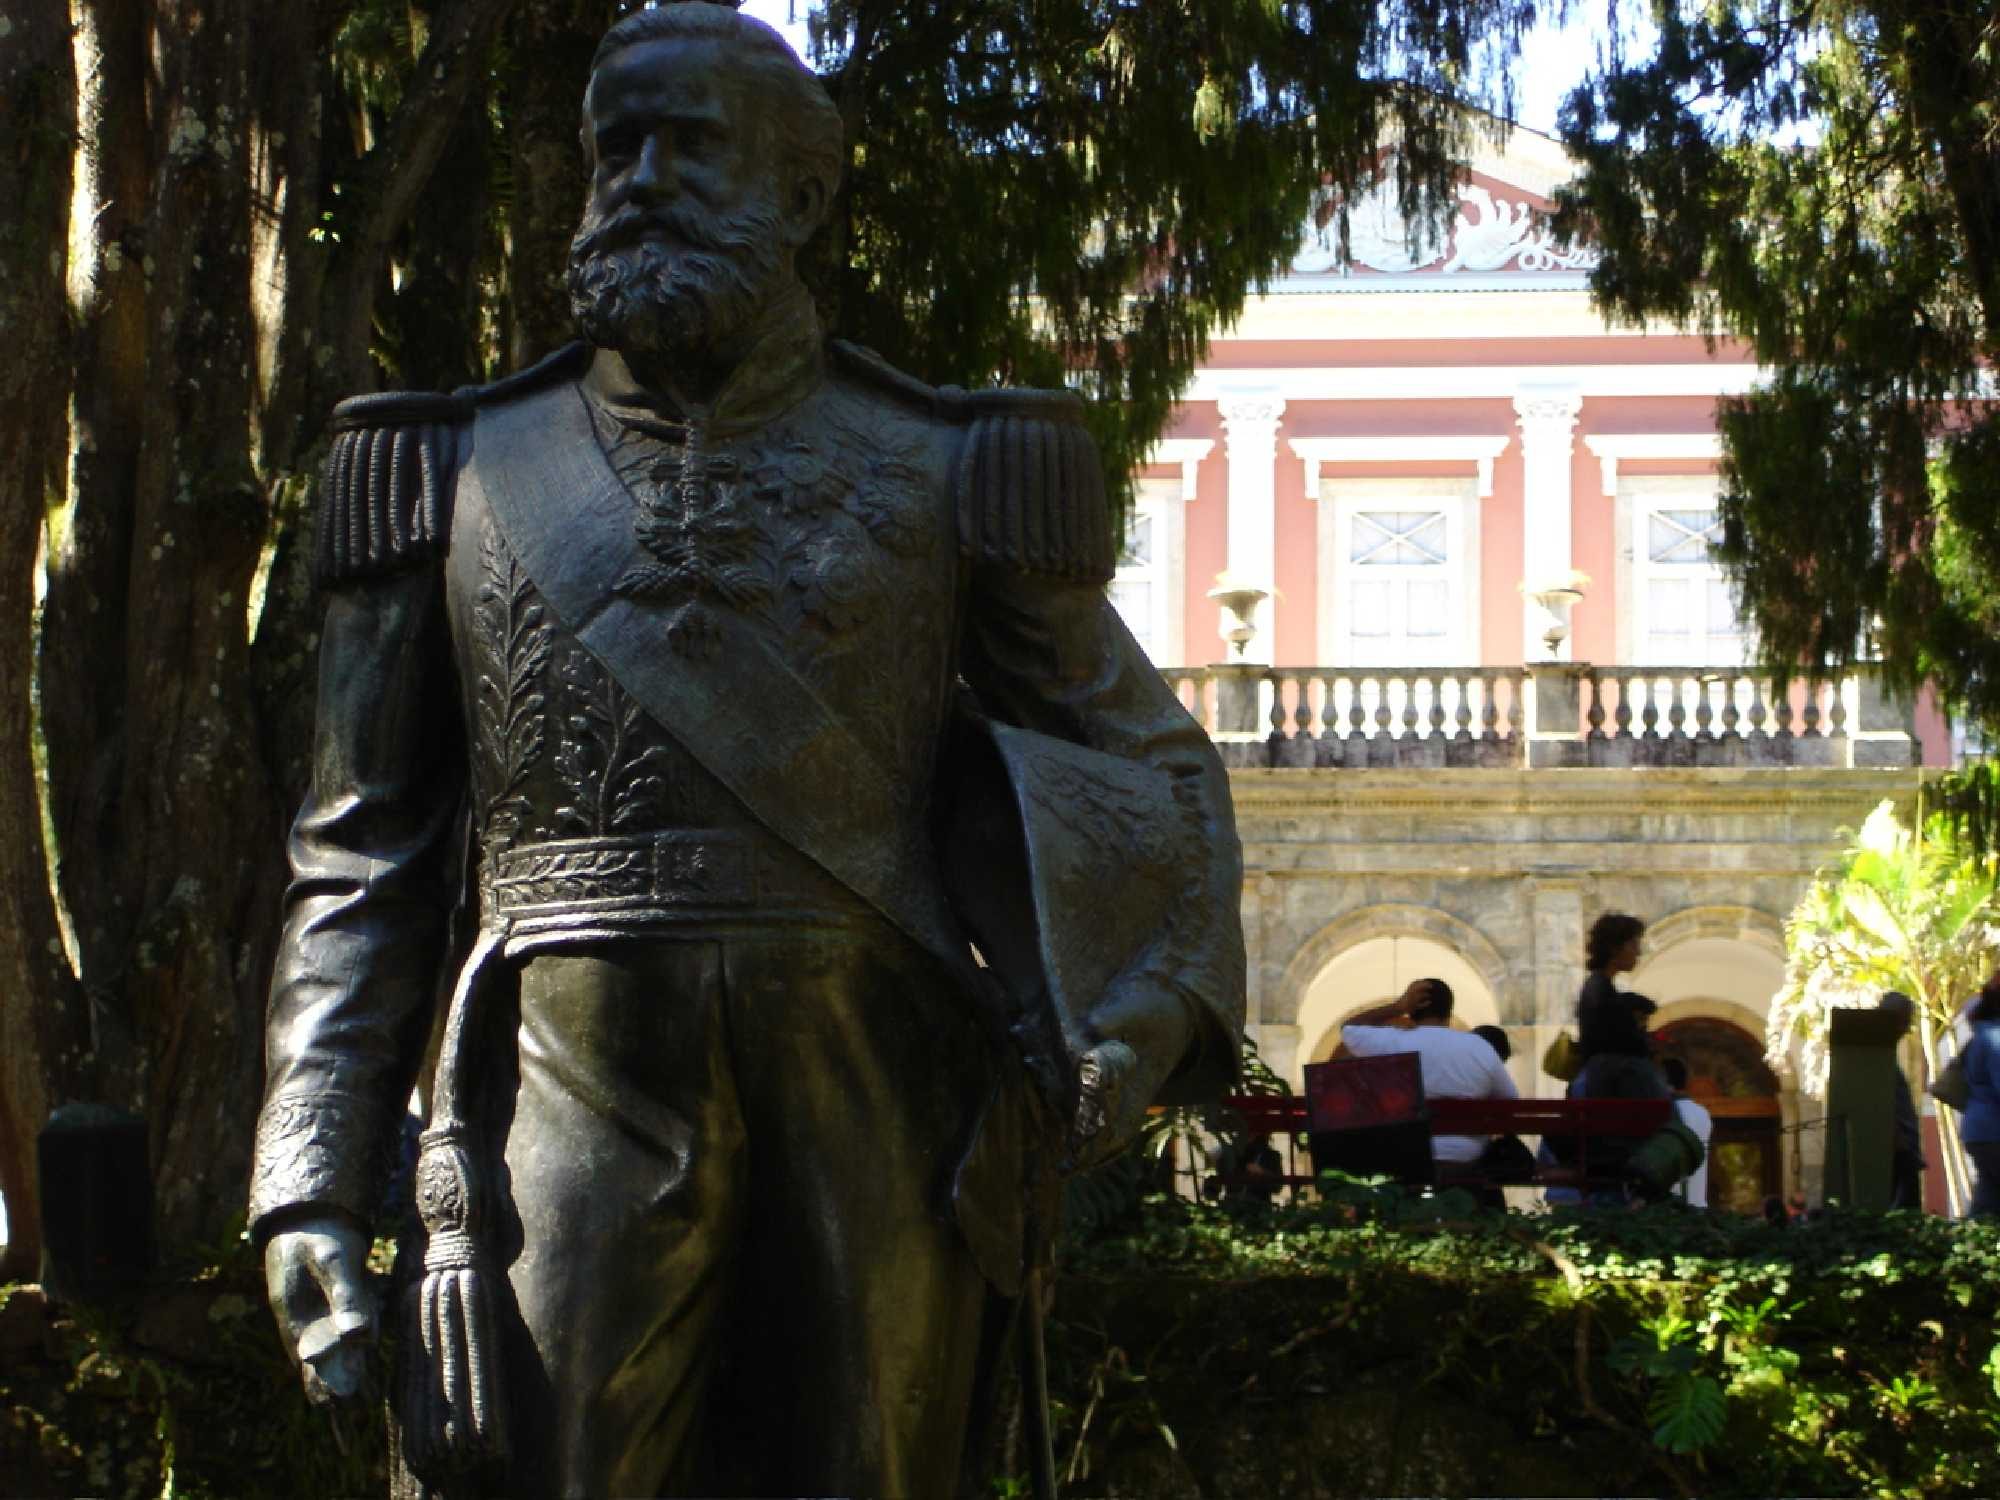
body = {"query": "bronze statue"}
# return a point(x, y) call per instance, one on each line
point(694, 702)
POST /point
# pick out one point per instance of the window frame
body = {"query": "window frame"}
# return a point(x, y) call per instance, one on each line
point(1340, 501)
point(1639, 497)
point(1163, 500)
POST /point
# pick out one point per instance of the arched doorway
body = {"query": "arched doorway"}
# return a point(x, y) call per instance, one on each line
point(1727, 1075)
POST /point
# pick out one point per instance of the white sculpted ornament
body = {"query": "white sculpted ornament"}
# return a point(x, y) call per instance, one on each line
point(1487, 234)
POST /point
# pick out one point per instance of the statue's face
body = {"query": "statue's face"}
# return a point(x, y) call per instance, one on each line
point(668, 121)
point(683, 236)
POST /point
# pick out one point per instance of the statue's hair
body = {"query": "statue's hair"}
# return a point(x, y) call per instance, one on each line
point(807, 124)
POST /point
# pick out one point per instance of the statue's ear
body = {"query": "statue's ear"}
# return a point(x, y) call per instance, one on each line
point(805, 207)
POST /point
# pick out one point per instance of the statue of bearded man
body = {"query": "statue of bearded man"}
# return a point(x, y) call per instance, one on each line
point(690, 705)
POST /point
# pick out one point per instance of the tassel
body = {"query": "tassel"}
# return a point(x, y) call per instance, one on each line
point(1031, 488)
point(454, 1408)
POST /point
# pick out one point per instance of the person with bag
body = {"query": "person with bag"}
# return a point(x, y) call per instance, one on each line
point(1612, 1057)
point(1979, 1128)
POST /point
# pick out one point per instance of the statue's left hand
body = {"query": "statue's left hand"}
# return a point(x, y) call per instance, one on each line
point(1139, 1034)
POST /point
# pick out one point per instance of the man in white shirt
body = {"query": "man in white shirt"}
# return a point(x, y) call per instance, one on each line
point(1694, 1186)
point(1454, 1064)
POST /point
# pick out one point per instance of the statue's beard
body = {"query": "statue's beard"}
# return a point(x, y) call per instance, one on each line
point(677, 281)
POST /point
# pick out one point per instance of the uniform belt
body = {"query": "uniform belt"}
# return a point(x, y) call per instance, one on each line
point(681, 874)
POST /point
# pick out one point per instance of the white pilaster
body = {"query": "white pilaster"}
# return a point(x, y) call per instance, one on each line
point(1250, 421)
point(1547, 416)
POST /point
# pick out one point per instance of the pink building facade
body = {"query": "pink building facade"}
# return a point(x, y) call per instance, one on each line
point(1475, 671)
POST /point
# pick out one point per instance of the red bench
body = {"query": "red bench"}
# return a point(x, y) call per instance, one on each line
point(1573, 1119)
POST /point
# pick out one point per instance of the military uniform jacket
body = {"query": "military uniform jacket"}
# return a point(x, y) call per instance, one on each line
point(867, 543)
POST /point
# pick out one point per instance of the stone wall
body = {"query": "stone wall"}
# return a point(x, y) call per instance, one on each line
point(1506, 868)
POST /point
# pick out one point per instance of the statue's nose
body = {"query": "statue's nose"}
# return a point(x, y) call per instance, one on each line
point(649, 181)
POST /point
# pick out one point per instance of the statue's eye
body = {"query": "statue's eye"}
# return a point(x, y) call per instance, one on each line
point(698, 138)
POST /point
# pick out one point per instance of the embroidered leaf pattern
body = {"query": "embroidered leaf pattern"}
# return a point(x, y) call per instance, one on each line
point(509, 702)
point(612, 768)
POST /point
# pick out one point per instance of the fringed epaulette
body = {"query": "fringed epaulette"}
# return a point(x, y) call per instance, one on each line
point(385, 494)
point(1030, 487)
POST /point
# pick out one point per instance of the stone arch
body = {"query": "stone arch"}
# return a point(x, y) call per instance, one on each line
point(1708, 1008)
point(1741, 923)
point(1443, 945)
point(1747, 1072)
point(1388, 919)
point(1730, 958)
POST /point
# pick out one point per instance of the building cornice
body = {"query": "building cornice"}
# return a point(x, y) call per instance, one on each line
point(1637, 791)
point(1472, 382)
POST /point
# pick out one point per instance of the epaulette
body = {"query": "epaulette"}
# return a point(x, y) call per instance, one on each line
point(1030, 487)
point(384, 494)
point(386, 489)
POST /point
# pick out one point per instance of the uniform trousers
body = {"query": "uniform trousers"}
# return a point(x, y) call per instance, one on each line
point(733, 1263)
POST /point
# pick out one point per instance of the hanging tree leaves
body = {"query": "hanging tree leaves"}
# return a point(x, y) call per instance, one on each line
point(1821, 179)
point(1079, 191)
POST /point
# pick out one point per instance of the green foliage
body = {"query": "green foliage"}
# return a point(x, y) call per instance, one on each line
point(1079, 191)
point(1898, 909)
point(1966, 805)
point(1686, 1407)
point(181, 1391)
point(1187, 1142)
point(1344, 1347)
point(1815, 177)
point(1330, 1349)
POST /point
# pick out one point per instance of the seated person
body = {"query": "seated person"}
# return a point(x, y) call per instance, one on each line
point(1507, 1158)
point(1693, 1187)
point(1618, 1064)
point(1453, 1064)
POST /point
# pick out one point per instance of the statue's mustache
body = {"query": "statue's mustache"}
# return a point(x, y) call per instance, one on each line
point(675, 226)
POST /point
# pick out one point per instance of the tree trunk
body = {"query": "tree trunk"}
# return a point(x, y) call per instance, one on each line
point(549, 47)
point(204, 355)
point(44, 1032)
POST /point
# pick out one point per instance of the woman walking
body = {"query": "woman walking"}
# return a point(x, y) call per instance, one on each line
point(1608, 1020)
point(1979, 1128)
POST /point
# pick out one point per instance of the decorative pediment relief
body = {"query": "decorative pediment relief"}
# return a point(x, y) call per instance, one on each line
point(1488, 232)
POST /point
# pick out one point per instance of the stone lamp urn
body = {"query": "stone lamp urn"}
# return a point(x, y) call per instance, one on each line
point(1556, 600)
point(1239, 602)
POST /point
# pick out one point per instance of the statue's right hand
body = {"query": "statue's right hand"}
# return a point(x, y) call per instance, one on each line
point(316, 1271)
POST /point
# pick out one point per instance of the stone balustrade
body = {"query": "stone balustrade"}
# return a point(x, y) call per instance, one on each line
point(1553, 714)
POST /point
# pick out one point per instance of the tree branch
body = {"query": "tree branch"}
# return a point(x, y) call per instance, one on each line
point(395, 173)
